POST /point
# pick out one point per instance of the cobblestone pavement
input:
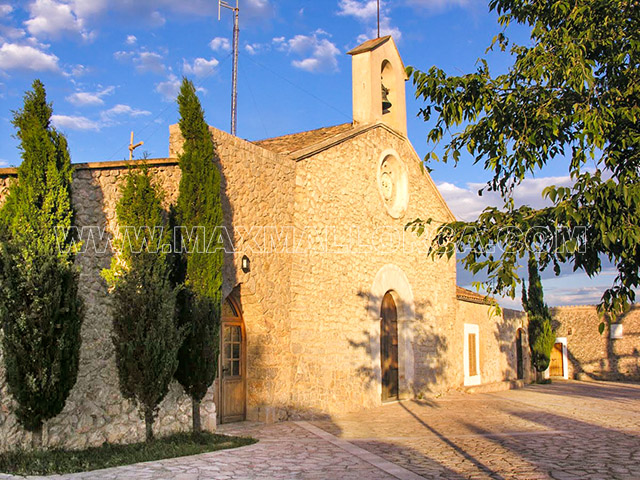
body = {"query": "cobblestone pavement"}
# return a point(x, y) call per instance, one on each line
point(567, 430)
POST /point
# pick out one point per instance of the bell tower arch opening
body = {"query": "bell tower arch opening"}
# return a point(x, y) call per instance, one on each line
point(379, 78)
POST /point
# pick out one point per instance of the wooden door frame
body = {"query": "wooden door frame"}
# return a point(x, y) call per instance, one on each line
point(565, 358)
point(233, 321)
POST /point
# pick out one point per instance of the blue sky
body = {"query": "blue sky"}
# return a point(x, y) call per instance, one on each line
point(112, 66)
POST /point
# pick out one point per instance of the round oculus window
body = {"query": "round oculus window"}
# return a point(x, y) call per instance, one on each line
point(393, 184)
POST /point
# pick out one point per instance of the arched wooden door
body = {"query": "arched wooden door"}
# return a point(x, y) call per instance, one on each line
point(232, 364)
point(519, 355)
point(389, 348)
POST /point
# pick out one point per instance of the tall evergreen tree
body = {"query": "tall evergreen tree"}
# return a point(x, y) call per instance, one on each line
point(199, 206)
point(145, 332)
point(40, 310)
point(541, 334)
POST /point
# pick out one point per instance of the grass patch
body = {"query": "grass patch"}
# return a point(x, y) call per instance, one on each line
point(46, 462)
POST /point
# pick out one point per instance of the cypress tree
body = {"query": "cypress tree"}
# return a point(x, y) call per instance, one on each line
point(541, 334)
point(40, 310)
point(145, 333)
point(199, 206)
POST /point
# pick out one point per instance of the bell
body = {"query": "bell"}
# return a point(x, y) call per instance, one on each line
point(386, 104)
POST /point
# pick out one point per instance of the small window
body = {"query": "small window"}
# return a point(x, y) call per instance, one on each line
point(232, 354)
point(473, 361)
point(471, 354)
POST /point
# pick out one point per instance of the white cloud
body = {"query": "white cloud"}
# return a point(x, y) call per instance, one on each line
point(78, 71)
point(82, 99)
point(466, 204)
point(26, 57)
point(256, 48)
point(131, 39)
point(74, 14)
point(11, 33)
point(74, 122)
point(121, 109)
point(108, 117)
point(169, 89)
point(220, 44)
point(366, 12)
point(201, 67)
point(149, 62)
point(5, 10)
point(362, 10)
point(320, 54)
point(157, 19)
point(143, 60)
point(51, 18)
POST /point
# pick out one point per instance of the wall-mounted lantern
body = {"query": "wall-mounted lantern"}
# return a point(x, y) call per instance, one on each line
point(246, 264)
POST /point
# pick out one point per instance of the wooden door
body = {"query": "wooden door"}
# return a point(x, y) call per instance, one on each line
point(557, 359)
point(389, 348)
point(519, 356)
point(232, 365)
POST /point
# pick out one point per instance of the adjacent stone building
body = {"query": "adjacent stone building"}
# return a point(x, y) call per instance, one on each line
point(331, 305)
point(583, 353)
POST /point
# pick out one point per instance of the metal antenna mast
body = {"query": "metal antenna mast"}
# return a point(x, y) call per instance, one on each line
point(378, 18)
point(236, 35)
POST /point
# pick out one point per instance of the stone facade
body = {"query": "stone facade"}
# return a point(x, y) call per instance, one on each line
point(594, 356)
point(320, 217)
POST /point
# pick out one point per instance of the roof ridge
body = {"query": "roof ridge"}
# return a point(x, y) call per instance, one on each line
point(286, 144)
point(300, 133)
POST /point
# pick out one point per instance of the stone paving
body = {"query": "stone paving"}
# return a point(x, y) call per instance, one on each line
point(563, 431)
point(567, 430)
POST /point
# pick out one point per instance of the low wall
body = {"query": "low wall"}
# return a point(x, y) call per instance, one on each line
point(95, 411)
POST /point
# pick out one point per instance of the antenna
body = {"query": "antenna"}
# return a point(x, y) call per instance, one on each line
point(132, 147)
point(234, 81)
point(378, 18)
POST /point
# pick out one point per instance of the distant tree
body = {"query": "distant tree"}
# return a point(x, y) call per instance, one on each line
point(145, 332)
point(40, 309)
point(198, 209)
point(571, 95)
point(541, 334)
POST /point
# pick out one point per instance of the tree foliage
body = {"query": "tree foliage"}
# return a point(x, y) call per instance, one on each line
point(40, 309)
point(541, 334)
point(146, 336)
point(572, 95)
point(198, 210)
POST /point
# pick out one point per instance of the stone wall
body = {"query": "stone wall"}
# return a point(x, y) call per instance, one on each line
point(595, 356)
point(497, 339)
point(95, 412)
point(257, 190)
point(258, 193)
point(337, 291)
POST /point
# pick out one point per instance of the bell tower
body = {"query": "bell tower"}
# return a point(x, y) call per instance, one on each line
point(379, 84)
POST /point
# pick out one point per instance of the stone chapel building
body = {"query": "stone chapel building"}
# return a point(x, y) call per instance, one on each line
point(330, 305)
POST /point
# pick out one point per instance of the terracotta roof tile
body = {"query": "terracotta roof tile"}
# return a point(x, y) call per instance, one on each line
point(470, 296)
point(297, 141)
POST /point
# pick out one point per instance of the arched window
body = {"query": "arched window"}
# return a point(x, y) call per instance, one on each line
point(387, 92)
